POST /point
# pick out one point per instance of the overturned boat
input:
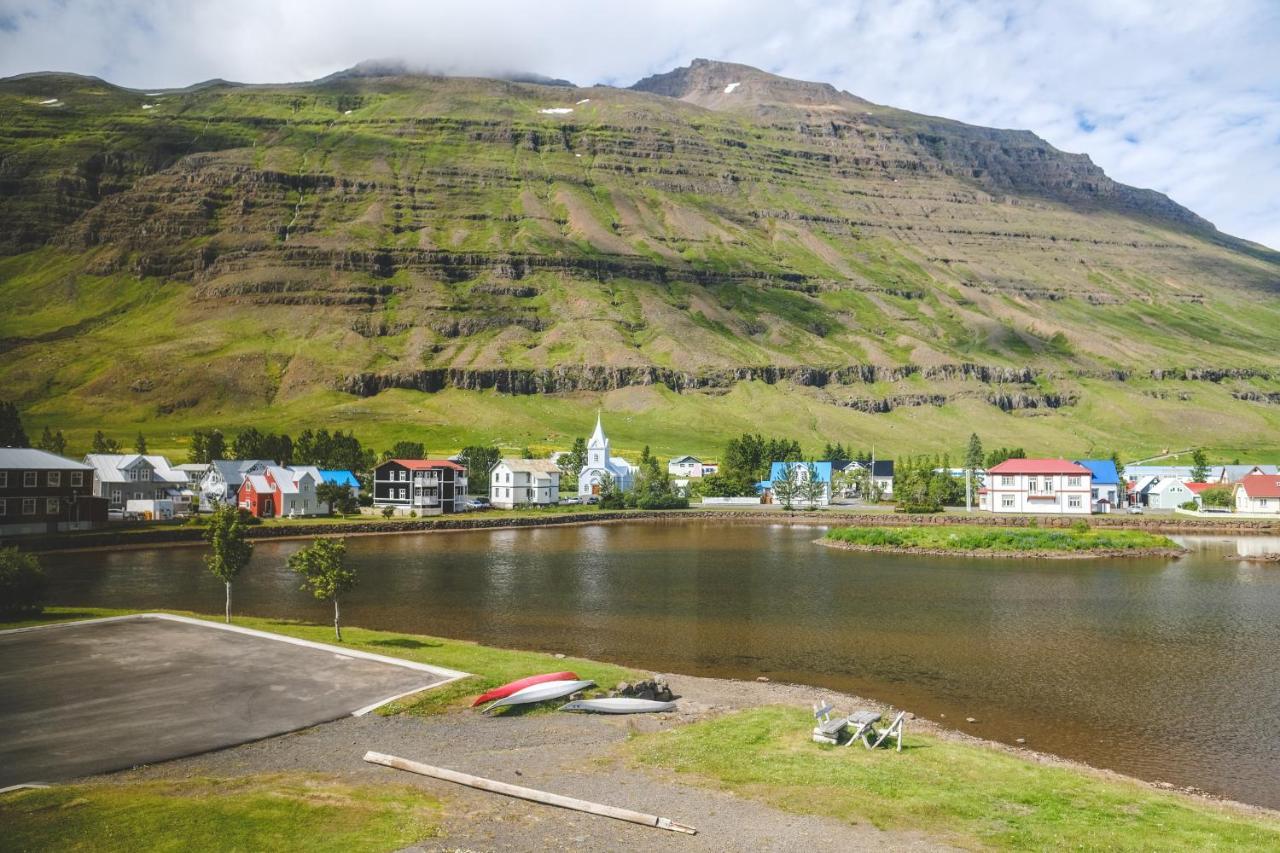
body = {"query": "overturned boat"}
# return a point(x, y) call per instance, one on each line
point(521, 683)
point(619, 705)
point(541, 693)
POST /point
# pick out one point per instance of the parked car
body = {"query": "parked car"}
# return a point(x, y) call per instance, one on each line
point(478, 503)
point(569, 501)
point(591, 499)
point(1136, 509)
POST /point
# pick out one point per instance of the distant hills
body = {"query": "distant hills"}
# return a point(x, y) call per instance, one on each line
point(714, 249)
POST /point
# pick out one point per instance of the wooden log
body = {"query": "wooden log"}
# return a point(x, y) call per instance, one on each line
point(536, 796)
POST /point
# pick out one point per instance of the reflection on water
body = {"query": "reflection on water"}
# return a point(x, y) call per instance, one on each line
point(1127, 664)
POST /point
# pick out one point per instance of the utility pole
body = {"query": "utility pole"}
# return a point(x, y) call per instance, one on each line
point(968, 490)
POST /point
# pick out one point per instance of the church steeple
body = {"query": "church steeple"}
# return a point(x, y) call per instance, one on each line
point(598, 438)
point(598, 446)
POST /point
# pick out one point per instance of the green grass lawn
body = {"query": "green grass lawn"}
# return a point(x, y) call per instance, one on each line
point(1000, 539)
point(489, 666)
point(972, 796)
point(285, 811)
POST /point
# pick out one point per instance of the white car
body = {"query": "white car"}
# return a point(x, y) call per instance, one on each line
point(1136, 509)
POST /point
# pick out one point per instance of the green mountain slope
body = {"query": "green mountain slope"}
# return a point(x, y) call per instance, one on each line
point(713, 250)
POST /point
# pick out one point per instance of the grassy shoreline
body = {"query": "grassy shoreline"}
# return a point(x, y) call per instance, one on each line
point(188, 535)
point(944, 785)
point(955, 540)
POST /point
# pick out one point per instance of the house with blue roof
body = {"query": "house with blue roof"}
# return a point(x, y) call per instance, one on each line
point(1105, 485)
point(800, 474)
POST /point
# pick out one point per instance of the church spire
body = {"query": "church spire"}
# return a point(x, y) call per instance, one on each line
point(598, 438)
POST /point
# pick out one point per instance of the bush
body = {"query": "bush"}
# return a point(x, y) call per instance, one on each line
point(1080, 526)
point(247, 517)
point(365, 499)
point(22, 584)
point(388, 511)
point(1191, 505)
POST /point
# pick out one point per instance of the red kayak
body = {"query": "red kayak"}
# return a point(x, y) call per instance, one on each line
point(507, 689)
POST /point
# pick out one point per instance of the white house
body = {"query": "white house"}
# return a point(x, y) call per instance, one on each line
point(1169, 493)
point(524, 482)
point(601, 465)
point(691, 468)
point(1258, 493)
point(221, 483)
point(1051, 486)
point(121, 478)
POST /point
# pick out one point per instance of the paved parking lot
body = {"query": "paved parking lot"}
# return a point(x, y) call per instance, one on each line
point(96, 696)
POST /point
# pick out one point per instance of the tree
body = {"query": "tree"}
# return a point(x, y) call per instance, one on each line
point(11, 432)
point(835, 454)
point(785, 486)
point(140, 444)
point(22, 584)
point(199, 451)
point(215, 445)
point(405, 450)
point(972, 462)
point(479, 460)
point(325, 572)
point(102, 444)
point(726, 484)
point(338, 496)
point(917, 486)
point(1115, 460)
point(54, 442)
point(571, 464)
point(1000, 454)
point(811, 489)
point(1219, 496)
point(610, 496)
point(1199, 466)
point(226, 535)
point(653, 489)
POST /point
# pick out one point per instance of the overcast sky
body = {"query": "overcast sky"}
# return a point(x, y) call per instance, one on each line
point(1182, 96)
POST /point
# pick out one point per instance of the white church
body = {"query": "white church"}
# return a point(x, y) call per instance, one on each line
point(600, 463)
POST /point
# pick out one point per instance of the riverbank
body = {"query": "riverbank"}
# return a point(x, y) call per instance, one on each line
point(192, 535)
point(735, 761)
point(1005, 542)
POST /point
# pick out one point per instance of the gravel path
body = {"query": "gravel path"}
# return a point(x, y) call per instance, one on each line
point(564, 753)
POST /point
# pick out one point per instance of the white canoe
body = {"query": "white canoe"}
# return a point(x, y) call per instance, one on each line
point(541, 693)
point(619, 705)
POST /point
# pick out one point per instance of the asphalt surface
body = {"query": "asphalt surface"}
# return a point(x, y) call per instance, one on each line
point(95, 697)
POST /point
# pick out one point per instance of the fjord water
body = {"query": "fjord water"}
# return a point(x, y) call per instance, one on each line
point(1164, 669)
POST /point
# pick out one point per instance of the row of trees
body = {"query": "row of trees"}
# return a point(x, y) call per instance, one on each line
point(322, 565)
point(652, 489)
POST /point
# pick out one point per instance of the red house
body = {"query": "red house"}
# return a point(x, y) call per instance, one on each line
point(285, 492)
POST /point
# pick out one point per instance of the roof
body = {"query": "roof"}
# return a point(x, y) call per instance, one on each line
point(685, 459)
point(1261, 485)
point(1037, 466)
point(258, 482)
point(110, 467)
point(27, 457)
point(882, 468)
point(426, 464)
point(1197, 488)
point(531, 466)
point(342, 478)
point(823, 470)
point(598, 438)
point(1103, 470)
point(1168, 483)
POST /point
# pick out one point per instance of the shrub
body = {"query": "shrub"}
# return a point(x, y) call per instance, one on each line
point(388, 511)
point(1191, 505)
point(1080, 526)
point(22, 584)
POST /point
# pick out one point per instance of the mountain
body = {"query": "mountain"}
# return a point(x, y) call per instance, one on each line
point(715, 249)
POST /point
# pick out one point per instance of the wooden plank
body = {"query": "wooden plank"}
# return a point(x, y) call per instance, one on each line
point(496, 787)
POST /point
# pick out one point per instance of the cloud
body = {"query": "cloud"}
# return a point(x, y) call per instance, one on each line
point(1182, 97)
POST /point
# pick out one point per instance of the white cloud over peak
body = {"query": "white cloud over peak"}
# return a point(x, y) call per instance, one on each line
point(1182, 97)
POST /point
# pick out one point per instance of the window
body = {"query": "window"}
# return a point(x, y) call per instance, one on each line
point(55, 478)
point(28, 506)
point(1073, 481)
point(1006, 501)
point(29, 479)
point(1006, 481)
point(77, 478)
point(115, 496)
point(137, 496)
point(4, 479)
point(1073, 502)
point(51, 506)
point(404, 493)
point(4, 507)
point(145, 475)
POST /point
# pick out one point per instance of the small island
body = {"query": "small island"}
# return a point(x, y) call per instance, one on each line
point(1078, 542)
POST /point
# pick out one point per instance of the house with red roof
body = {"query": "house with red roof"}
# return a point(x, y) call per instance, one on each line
point(422, 486)
point(1045, 486)
point(1258, 493)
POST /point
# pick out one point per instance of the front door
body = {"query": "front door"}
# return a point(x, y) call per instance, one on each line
point(595, 488)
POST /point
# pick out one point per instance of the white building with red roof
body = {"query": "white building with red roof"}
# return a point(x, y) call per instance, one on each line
point(1044, 486)
point(1258, 493)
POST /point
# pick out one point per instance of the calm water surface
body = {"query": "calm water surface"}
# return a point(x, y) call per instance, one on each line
point(1165, 669)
